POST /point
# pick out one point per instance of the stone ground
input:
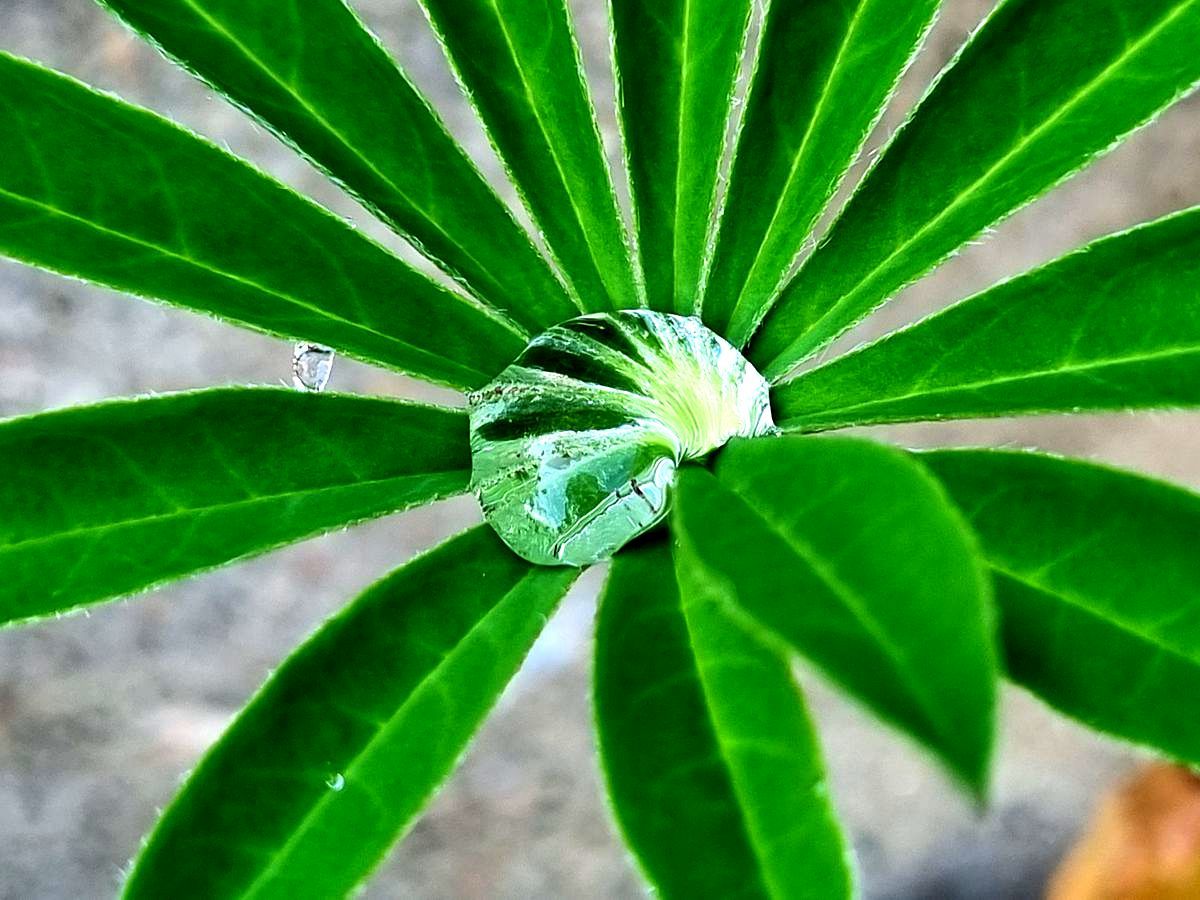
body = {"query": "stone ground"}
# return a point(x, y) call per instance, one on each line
point(101, 715)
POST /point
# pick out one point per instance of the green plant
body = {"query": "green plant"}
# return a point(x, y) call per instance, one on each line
point(909, 579)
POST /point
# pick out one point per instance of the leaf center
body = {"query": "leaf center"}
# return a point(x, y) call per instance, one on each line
point(575, 445)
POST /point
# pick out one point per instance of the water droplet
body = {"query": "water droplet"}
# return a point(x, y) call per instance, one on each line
point(312, 364)
point(576, 444)
point(335, 782)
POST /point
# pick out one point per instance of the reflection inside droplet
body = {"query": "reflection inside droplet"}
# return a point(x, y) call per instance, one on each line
point(335, 782)
point(576, 444)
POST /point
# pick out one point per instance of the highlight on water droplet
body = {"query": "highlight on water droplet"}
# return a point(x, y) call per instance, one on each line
point(336, 781)
point(312, 364)
point(575, 445)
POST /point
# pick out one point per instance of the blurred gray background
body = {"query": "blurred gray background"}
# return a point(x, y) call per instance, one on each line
point(100, 716)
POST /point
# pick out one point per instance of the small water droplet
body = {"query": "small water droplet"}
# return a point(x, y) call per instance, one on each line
point(335, 782)
point(312, 364)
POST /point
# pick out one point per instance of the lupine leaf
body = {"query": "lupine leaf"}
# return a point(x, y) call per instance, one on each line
point(711, 762)
point(95, 188)
point(824, 73)
point(676, 63)
point(1113, 326)
point(105, 500)
point(851, 554)
point(1097, 577)
point(520, 65)
point(1043, 88)
point(346, 743)
point(313, 73)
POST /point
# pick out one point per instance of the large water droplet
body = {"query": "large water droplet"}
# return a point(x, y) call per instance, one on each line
point(336, 782)
point(575, 445)
point(312, 364)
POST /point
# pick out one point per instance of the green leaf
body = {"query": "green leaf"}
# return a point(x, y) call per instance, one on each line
point(676, 62)
point(711, 762)
point(311, 72)
point(1043, 88)
point(850, 553)
point(1097, 577)
point(345, 744)
point(95, 188)
point(824, 73)
point(519, 64)
point(1113, 326)
point(106, 500)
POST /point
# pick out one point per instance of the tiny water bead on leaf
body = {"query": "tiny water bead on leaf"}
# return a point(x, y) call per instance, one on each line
point(312, 364)
point(575, 445)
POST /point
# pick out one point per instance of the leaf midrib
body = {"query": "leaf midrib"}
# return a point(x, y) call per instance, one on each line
point(550, 146)
point(50, 209)
point(1075, 602)
point(190, 511)
point(849, 599)
point(1068, 370)
point(684, 69)
point(754, 838)
point(809, 131)
point(257, 62)
point(1077, 98)
point(383, 732)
